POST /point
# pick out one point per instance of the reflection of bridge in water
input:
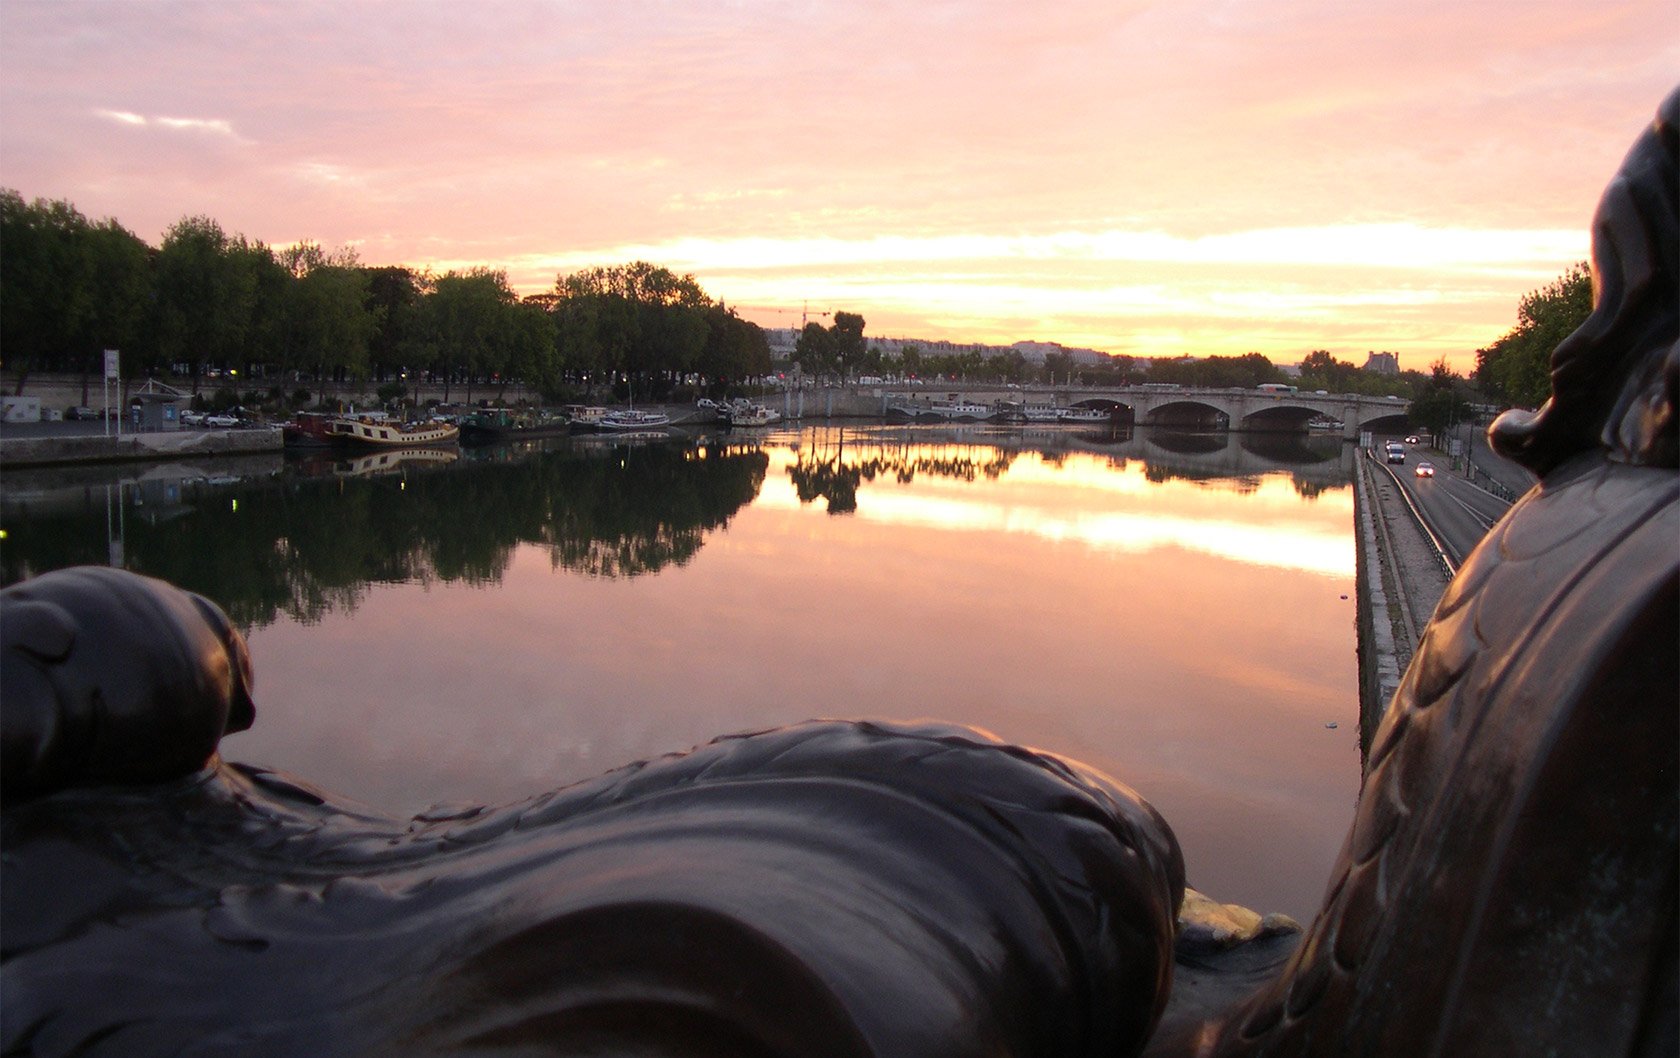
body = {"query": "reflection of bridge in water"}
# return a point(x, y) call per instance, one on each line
point(834, 461)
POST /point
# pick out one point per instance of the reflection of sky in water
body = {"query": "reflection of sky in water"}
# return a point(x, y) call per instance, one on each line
point(1187, 638)
point(1089, 502)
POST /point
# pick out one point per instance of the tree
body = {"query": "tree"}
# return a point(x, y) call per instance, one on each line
point(1220, 372)
point(638, 318)
point(528, 331)
point(43, 290)
point(735, 348)
point(69, 288)
point(911, 362)
point(1058, 365)
point(206, 294)
point(339, 322)
point(1517, 367)
point(814, 352)
point(849, 347)
point(462, 322)
point(394, 294)
point(313, 310)
point(1440, 400)
point(120, 269)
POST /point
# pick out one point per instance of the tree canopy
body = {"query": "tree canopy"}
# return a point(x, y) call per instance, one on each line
point(207, 301)
point(1517, 367)
point(69, 287)
point(647, 326)
point(1221, 372)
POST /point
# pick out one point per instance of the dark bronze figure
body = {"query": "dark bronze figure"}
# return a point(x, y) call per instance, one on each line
point(1509, 885)
point(833, 888)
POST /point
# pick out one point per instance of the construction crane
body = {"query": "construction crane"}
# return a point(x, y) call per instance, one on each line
point(805, 315)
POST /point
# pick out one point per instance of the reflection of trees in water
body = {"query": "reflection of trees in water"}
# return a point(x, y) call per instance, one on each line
point(305, 547)
point(1159, 474)
point(835, 475)
point(654, 511)
point(1312, 490)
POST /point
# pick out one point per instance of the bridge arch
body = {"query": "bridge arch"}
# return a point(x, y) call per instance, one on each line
point(1385, 421)
point(1283, 416)
point(1188, 412)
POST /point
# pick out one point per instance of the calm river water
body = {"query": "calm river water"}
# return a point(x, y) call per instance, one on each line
point(1173, 610)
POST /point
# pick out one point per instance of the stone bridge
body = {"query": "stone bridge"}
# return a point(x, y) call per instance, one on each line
point(1246, 410)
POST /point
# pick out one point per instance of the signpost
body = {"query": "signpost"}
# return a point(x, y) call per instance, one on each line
point(113, 373)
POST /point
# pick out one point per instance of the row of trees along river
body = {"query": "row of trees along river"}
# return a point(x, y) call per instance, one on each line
point(207, 301)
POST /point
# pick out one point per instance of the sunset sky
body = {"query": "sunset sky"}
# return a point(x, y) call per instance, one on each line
point(1193, 176)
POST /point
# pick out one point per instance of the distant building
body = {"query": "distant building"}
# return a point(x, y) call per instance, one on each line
point(1037, 351)
point(1383, 363)
point(782, 341)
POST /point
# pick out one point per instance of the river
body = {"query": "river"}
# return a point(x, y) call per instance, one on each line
point(1173, 610)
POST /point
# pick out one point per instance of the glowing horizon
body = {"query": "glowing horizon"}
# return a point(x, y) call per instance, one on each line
point(1142, 178)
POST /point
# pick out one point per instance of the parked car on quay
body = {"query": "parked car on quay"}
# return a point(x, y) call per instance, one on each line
point(221, 422)
point(192, 418)
point(80, 413)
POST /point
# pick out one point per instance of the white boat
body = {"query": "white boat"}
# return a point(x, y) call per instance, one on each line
point(633, 419)
point(1092, 415)
point(951, 409)
point(1033, 413)
point(584, 418)
point(748, 415)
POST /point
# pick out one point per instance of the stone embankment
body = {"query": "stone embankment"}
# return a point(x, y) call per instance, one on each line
point(46, 450)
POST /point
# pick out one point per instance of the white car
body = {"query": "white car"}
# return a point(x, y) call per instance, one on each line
point(192, 418)
point(221, 422)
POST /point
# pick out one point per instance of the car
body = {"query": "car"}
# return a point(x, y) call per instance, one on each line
point(192, 418)
point(79, 413)
point(1424, 470)
point(1412, 440)
point(221, 422)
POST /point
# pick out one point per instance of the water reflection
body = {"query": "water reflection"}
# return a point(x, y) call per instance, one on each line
point(1084, 473)
point(303, 537)
point(1172, 611)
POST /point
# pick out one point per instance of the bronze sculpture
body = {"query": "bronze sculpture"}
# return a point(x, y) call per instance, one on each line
point(1509, 885)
